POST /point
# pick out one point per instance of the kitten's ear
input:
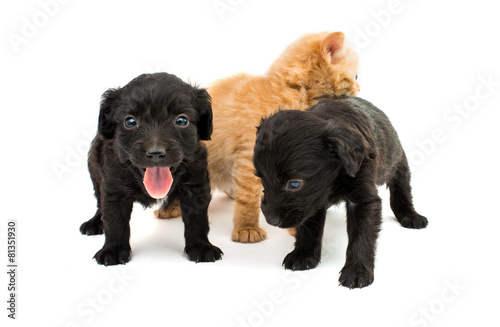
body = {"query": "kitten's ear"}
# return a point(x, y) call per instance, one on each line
point(204, 108)
point(109, 101)
point(348, 145)
point(332, 46)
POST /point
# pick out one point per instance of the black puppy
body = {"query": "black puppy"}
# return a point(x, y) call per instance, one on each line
point(148, 149)
point(337, 150)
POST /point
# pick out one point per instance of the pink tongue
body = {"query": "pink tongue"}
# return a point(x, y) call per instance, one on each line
point(158, 181)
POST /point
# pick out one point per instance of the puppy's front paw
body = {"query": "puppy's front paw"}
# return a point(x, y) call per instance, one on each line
point(248, 234)
point(92, 227)
point(355, 276)
point(203, 252)
point(300, 260)
point(173, 211)
point(414, 221)
point(113, 255)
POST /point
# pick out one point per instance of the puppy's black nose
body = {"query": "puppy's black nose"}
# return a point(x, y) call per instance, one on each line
point(272, 220)
point(156, 154)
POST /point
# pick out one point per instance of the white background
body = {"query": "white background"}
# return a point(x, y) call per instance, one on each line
point(420, 60)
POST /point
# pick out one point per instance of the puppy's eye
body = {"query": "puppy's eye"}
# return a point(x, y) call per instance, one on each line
point(294, 185)
point(356, 77)
point(182, 121)
point(130, 122)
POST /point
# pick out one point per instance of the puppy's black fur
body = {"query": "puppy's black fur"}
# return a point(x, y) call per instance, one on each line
point(338, 150)
point(152, 137)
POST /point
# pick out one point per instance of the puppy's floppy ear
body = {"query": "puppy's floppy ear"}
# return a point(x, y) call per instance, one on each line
point(203, 104)
point(348, 144)
point(109, 101)
point(262, 120)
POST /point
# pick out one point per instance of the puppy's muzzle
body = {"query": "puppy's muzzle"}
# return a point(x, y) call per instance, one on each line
point(156, 154)
point(273, 220)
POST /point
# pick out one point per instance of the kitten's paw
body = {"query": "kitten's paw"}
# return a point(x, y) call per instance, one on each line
point(113, 255)
point(248, 234)
point(300, 260)
point(173, 211)
point(355, 276)
point(414, 221)
point(203, 252)
point(92, 227)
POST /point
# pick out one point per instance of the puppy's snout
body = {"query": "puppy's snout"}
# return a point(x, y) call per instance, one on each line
point(156, 154)
point(273, 220)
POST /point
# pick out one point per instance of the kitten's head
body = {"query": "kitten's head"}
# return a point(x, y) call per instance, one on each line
point(321, 64)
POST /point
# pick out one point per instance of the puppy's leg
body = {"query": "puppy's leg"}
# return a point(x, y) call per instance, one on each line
point(307, 252)
point(194, 201)
point(169, 210)
point(247, 193)
point(401, 198)
point(363, 225)
point(93, 226)
point(116, 211)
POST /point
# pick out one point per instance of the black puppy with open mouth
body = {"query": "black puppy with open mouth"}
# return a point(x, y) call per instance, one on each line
point(148, 148)
point(338, 150)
